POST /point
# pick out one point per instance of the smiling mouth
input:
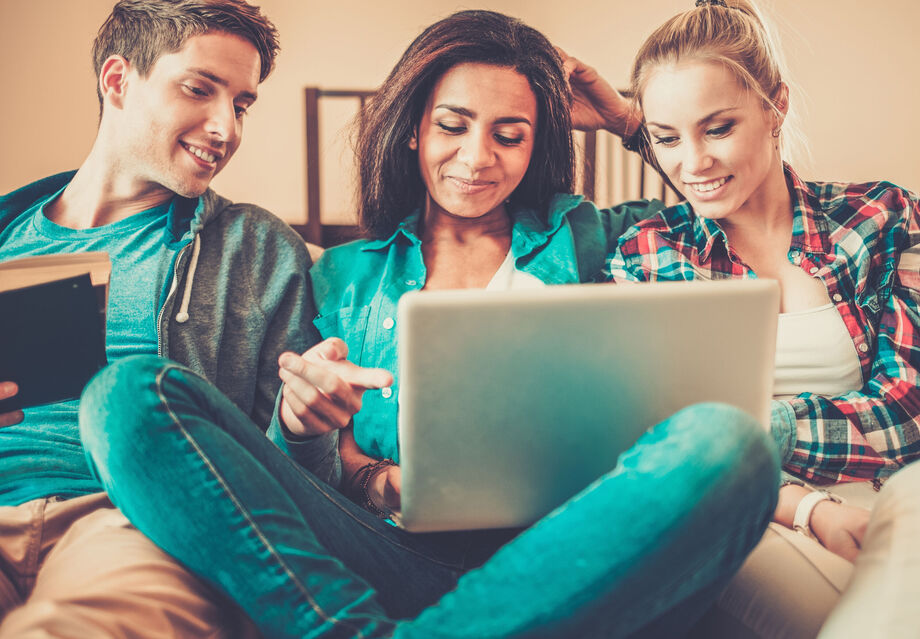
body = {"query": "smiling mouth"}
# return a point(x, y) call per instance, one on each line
point(470, 186)
point(203, 155)
point(710, 186)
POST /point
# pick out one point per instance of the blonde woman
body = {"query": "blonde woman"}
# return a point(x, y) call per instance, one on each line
point(713, 101)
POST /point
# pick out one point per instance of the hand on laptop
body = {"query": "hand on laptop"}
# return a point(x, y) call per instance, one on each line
point(322, 389)
point(7, 390)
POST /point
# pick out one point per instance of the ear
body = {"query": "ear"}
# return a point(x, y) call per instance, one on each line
point(413, 141)
point(780, 99)
point(113, 80)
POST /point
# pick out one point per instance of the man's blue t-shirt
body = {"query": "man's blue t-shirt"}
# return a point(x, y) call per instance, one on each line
point(43, 456)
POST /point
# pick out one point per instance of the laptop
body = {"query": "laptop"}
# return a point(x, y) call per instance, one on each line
point(512, 402)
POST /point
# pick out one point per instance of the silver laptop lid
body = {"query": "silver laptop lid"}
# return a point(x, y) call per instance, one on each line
point(512, 402)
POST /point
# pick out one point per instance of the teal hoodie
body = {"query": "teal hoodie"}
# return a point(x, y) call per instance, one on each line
point(248, 300)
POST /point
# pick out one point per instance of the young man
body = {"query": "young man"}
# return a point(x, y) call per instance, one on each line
point(217, 286)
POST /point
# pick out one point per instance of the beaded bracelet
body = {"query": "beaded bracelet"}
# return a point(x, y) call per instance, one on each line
point(362, 479)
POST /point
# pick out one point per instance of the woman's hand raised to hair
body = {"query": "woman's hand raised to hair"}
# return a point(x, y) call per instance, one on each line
point(595, 103)
point(322, 389)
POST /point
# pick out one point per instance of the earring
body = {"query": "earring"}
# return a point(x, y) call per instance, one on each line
point(775, 132)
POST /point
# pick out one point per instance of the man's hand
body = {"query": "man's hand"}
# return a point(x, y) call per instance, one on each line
point(322, 389)
point(840, 527)
point(596, 104)
point(7, 390)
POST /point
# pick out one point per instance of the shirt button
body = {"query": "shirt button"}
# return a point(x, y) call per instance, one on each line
point(863, 348)
point(837, 297)
point(813, 270)
point(388, 323)
point(386, 392)
point(411, 283)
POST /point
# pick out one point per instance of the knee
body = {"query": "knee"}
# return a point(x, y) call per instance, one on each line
point(725, 431)
point(728, 445)
point(118, 401)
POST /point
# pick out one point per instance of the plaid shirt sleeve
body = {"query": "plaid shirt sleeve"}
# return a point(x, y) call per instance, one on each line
point(870, 433)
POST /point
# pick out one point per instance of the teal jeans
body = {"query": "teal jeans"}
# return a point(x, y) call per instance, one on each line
point(641, 550)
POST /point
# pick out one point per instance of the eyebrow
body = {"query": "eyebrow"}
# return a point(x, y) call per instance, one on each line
point(699, 122)
point(459, 110)
point(216, 79)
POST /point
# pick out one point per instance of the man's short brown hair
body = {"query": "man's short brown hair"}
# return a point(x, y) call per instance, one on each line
point(143, 30)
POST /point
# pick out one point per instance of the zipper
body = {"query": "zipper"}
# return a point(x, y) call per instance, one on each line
point(173, 286)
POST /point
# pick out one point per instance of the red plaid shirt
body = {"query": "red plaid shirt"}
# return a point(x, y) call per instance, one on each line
point(863, 241)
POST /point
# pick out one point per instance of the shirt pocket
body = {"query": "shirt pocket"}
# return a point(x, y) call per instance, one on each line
point(909, 269)
point(875, 293)
point(349, 324)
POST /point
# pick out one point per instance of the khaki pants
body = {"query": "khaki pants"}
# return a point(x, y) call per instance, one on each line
point(790, 584)
point(77, 569)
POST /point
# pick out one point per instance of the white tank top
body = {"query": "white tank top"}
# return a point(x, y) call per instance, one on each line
point(508, 278)
point(815, 354)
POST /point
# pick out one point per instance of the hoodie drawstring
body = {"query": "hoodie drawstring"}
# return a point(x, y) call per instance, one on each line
point(182, 315)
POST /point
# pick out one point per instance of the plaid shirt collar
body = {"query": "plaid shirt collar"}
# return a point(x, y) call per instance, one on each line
point(809, 226)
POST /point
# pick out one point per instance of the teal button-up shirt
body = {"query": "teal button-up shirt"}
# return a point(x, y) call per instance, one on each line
point(357, 287)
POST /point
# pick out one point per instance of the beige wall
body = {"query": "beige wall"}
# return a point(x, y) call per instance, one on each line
point(857, 63)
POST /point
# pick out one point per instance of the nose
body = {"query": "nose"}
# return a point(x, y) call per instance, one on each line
point(697, 159)
point(222, 122)
point(476, 150)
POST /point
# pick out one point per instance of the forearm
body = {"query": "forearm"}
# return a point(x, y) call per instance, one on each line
point(789, 498)
point(353, 458)
point(842, 438)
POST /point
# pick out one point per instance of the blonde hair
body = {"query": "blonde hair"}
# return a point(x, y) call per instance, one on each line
point(733, 33)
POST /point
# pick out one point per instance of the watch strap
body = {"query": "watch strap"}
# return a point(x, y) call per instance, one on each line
point(801, 522)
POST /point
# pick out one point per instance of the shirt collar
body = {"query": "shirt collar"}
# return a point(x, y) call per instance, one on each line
point(807, 227)
point(407, 229)
point(529, 231)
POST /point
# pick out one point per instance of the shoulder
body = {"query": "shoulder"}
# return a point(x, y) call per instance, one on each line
point(258, 223)
point(352, 264)
point(244, 226)
point(671, 226)
point(243, 240)
point(17, 201)
point(660, 247)
point(865, 206)
point(349, 256)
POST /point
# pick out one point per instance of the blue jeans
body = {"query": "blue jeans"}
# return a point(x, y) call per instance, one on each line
point(651, 542)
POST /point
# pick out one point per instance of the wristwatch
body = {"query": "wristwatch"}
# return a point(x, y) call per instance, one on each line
point(801, 523)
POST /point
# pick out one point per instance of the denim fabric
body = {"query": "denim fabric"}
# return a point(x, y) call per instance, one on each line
point(661, 532)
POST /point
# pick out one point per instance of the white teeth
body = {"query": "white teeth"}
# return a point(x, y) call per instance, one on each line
point(204, 155)
point(705, 187)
